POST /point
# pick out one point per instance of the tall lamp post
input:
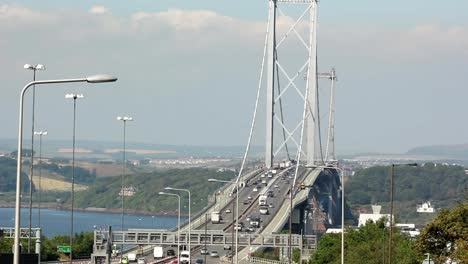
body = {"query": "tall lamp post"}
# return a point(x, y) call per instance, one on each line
point(190, 216)
point(33, 68)
point(40, 134)
point(124, 119)
point(178, 223)
point(392, 172)
point(91, 79)
point(234, 223)
point(74, 97)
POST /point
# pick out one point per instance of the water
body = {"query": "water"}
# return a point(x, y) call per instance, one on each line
point(57, 222)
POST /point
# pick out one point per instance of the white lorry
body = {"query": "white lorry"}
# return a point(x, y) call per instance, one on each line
point(216, 217)
point(184, 257)
point(132, 257)
point(158, 252)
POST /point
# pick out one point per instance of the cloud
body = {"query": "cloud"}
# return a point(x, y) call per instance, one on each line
point(11, 14)
point(99, 10)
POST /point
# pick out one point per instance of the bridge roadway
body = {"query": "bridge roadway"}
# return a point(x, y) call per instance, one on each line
point(270, 224)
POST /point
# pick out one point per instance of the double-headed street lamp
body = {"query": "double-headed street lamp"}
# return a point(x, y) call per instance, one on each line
point(178, 223)
point(40, 134)
point(33, 68)
point(74, 97)
point(237, 213)
point(190, 216)
point(392, 169)
point(91, 79)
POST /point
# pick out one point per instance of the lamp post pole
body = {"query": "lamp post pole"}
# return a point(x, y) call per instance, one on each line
point(124, 165)
point(190, 220)
point(40, 134)
point(91, 79)
point(206, 227)
point(74, 97)
point(178, 224)
point(34, 68)
point(392, 172)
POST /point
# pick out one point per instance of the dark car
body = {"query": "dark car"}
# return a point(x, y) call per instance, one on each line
point(199, 261)
point(170, 252)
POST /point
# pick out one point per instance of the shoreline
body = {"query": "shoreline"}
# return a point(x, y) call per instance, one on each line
point(100, 210)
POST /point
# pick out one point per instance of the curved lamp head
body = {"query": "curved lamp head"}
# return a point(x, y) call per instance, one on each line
point(32, 67)
point(161, 193)
point(125, 118)
point(100, 78)
point(168, 188)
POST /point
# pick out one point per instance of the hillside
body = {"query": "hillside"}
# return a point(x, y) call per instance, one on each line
point(104, 193)
point(443, 185)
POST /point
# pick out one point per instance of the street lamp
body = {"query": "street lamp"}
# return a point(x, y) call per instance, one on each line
point(124, 163)
point(124, 119)
point(40, 134)
point(392, 169)
point(34, 68)
point(91, 79)
point(178, 223)
point(190, 215)
point(237, 214)
point(74, 97)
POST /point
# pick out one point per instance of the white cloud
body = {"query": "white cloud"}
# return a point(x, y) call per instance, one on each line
point(99, 10)
point(11, 14)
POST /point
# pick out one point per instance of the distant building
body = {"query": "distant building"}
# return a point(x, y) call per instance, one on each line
point(425, 208)
point(127, 191)
point(375, 216)
point(409, 229)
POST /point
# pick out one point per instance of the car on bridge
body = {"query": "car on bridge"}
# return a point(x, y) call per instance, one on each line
point(204, 251)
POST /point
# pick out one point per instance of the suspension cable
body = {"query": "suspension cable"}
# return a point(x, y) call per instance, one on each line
point(256, 104)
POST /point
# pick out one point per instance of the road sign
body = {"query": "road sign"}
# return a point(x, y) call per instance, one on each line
point(64, 249)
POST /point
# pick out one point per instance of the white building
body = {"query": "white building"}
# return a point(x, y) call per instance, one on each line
point(375, 216)
point(425, 208)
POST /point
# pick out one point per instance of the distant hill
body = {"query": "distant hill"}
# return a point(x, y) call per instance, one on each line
point(443, 185)
point(112, 150)
point(459, 152)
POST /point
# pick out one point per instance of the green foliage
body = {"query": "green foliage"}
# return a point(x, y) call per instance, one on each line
point(8, 168)
point(441, 184)
point(446, 236)
point(24, 153)
point(82, 246)
point(105, 192)
point(368, 244)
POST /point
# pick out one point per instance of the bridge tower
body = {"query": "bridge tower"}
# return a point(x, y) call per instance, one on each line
point(304, 30)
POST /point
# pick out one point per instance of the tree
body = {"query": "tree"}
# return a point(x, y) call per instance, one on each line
point(368, 244)
point(446, 237)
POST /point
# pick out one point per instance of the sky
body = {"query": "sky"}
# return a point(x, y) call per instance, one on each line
point(188, 70)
